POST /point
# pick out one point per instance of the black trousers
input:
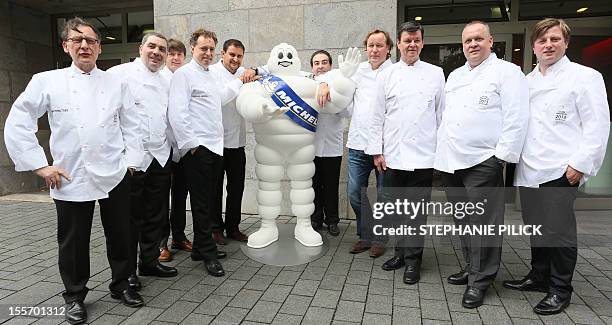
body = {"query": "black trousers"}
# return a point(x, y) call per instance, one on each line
point(234, 163)
point(554, 254)
point(481, 183)
point(325, 183)
point(178, 206)
point(412, 186)
point(149, 196)
point(202, 169)
point(74, 221)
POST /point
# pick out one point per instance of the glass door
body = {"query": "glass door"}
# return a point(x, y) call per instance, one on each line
point(447, 51)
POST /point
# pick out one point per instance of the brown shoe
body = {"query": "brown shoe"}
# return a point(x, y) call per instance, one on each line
point(237, 235)
point(184, 245)
point(218, 238)
point(377, 250)
point(360, 246)
point(164, 255)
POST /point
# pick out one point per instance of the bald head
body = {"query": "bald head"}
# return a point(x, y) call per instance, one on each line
point(477, 42)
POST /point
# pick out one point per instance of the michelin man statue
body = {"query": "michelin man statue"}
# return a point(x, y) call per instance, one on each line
point(283, 109)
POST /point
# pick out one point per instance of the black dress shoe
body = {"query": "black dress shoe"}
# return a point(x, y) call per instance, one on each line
point(134, 282)
point(128, 297)
point(214, 268)
point(158, 270)
point(460, 278)
point(473, 297)
point(393, 264)
point(412, 274)
point(197, 257)
point(551, 304)
point(316, 225)
point(525, 284)
point(333, 229)
point(76, 312)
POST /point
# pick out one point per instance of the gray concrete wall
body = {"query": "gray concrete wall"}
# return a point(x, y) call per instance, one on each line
point(308, 25)
point(25, 36)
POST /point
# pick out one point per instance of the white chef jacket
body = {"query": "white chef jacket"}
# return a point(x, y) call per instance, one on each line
point(486, 114)
point(94, 130)
point(329, 137)
point(234, 126)
point(166, 73)
point(194, 111)
point(360, 108)
point(406, 112)
point(176, 154)
point(150, 91)
point(569, 124)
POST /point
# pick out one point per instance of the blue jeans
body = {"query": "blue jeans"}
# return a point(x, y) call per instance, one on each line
point(360, 165)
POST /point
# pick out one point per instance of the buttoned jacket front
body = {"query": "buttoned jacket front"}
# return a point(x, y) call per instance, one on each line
point(196, 97)
point(360, 108)
point(234, 126)
point(94, 130)
point(569, 123)
point(150, 91)
point(406, 112)
point(486, 114)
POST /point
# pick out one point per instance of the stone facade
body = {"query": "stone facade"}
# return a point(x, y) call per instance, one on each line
point(308, 25)
point(26, 49)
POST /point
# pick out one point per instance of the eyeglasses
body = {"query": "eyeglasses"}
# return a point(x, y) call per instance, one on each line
point(79, 40)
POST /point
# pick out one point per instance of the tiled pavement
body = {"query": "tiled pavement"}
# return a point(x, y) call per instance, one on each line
point(339, 288)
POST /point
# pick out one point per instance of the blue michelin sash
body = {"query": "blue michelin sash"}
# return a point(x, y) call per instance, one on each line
point(283, 96)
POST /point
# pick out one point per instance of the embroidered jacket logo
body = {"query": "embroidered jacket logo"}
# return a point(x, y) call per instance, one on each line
point(560, 116)
point(483, 100)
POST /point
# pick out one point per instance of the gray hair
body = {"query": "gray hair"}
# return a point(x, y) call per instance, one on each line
point(149, 34)
point(74, 23)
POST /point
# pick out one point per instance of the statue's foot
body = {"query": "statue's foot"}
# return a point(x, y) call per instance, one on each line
point(263, 237)
point(306, 235)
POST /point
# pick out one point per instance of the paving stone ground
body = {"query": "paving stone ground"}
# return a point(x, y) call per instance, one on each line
point(339, 288)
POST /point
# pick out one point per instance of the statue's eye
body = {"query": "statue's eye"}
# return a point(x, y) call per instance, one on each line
point(289, 56)
point(280, 55)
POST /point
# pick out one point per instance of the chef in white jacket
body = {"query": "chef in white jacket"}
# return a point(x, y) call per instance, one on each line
point(234, 158)
point(566, 143)
point(483, 126)
point(175, 59)
point(178, 187)
point(94, 141)
point(196, 97)
point(151, 182)
point(378, 46)
point(406, 112)
point(329, 141)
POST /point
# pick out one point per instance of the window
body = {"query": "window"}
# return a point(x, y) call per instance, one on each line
point(538, 9)
point(109, 26)
point(449, 12)
point(450, 56)
point(138, 24)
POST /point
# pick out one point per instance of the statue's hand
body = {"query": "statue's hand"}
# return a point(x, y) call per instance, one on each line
point(348, 66)
point(273, 110)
